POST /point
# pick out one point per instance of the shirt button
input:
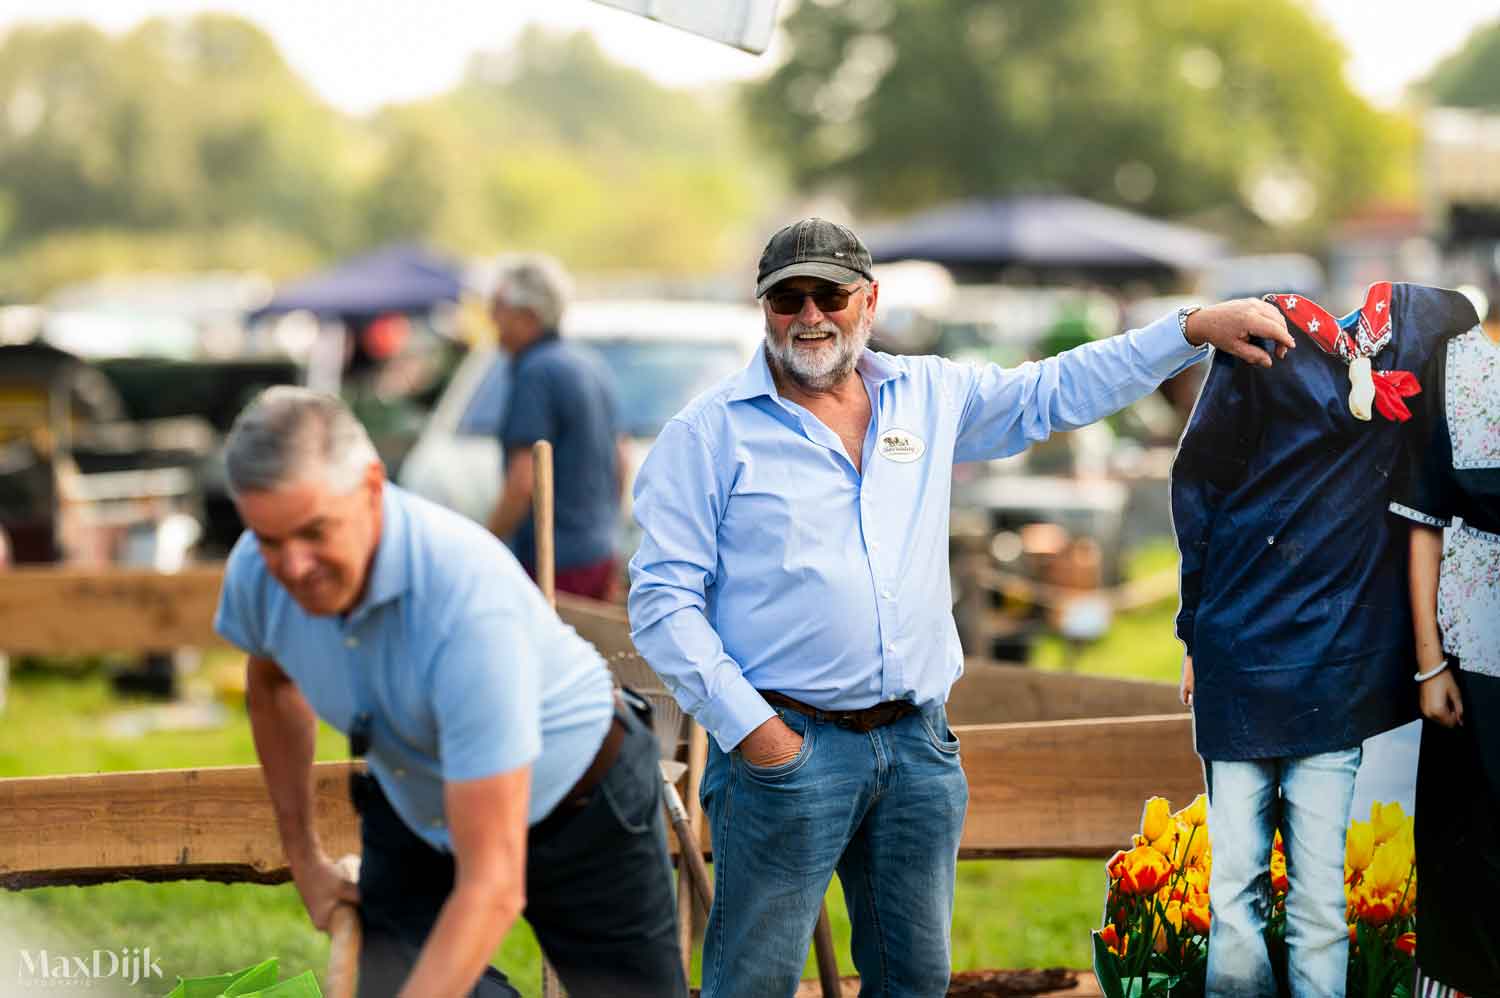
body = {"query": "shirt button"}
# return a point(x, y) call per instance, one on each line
point(889, 646)
point(887, 594)
point(351, 642)
point(436, 823)
point(400, 774)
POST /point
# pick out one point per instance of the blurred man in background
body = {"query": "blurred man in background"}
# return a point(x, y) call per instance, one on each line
point(564, 395)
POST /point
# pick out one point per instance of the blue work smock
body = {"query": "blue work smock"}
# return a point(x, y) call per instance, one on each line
point(1294, 589)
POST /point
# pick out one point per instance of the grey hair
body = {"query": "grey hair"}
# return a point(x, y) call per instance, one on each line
point(534, 282)
point(287, 434)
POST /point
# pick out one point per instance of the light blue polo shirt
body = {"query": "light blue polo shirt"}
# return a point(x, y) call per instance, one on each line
point(454, 651)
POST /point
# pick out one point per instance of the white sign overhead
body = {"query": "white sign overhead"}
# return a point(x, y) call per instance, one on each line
point(745, 24)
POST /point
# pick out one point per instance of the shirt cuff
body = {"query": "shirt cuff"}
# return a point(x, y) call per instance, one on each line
point(734, 713)
point(1417, 516)
point(1166, 349)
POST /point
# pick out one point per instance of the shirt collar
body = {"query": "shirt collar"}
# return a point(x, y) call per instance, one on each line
point(548, 336)
point(388, 575)
point(755, 380)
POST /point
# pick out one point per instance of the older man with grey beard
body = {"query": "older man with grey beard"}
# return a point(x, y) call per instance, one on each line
point(792, 589)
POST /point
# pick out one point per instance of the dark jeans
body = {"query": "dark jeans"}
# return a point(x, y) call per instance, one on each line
point(599, 892)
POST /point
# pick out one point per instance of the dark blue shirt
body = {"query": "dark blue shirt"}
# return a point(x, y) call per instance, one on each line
point(1294, 592)
point(563, 394)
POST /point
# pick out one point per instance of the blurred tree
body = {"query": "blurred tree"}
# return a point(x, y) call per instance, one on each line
point(550, 145)
point(1469, 77)
point(181, 124)
point(1168, 107)
point(189, 142)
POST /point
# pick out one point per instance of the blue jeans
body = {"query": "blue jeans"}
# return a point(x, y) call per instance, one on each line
point(1308, 798)
point(884, 809)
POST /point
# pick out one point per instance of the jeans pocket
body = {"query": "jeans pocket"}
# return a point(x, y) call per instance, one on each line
point(935, 722)
point(632, 789)
point(799, 723)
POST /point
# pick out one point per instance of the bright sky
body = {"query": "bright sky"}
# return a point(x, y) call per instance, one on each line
point(363, 53)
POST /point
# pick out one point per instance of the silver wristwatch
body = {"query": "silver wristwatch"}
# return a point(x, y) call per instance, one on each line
point(1182, 318)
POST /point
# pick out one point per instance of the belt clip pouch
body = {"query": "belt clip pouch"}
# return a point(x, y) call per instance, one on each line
point(638, 704)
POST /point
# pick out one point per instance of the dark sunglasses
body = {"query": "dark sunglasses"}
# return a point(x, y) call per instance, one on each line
point(828, 299)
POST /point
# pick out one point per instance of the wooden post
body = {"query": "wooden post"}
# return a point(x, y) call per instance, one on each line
point(343, 955)
point(546, 579)
point(541, 519)
point(828, 961)
point(687, 922)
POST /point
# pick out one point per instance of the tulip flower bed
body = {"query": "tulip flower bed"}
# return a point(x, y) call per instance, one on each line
point(1154, 942)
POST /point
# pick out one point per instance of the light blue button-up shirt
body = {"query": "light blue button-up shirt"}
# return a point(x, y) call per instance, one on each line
point(465, 669)
point(770, 563)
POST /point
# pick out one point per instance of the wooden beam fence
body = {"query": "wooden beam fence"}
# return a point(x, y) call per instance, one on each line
point(1050, 788)
point(1066, 774)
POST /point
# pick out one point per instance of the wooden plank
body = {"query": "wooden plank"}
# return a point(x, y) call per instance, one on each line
point(49, 610)
point(1003, 694)
point(604, 625)
point(1057, 788)
point(66, 610)
point(56, 611)
point(188, 824)
point(1071, 788)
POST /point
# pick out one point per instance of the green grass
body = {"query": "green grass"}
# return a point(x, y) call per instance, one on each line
point(1139, 645)
point(1009, 913)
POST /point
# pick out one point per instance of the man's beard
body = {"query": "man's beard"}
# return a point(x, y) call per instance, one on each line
point(821, 368)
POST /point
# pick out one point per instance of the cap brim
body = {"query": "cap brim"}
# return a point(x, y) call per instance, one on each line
point(825, 271)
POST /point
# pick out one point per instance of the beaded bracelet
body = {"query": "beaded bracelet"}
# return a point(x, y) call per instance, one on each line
point(1422, 677)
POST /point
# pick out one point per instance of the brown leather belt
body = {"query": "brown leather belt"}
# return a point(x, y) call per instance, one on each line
point(867, 719)
point(583, 791)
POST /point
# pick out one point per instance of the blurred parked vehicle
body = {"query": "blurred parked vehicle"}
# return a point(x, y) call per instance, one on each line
point(82, 484)
point(662, 353)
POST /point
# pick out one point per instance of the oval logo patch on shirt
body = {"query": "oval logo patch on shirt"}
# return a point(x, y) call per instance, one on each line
point(901, 446)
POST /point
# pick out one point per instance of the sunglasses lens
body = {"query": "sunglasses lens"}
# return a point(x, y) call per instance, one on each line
point(786, 302)
point(790, 302)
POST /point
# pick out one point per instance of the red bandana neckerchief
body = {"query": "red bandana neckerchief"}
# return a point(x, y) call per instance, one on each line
point(1361, 334)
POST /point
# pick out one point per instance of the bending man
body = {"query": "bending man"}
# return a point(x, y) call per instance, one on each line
point(505, 776)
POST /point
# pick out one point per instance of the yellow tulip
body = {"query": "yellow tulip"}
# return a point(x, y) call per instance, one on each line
point(1360, 846)
point(1157, 820)
point(1375, 907)
point(1388, 870)
point(1195, 913)
point(1387, 820)
point(1141, 871)
point(1279, 880)
point(1196, 813)
point(1193, 845)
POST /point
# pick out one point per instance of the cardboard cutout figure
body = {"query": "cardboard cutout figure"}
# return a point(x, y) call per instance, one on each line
point(1451, 481)
point(1294, 611)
